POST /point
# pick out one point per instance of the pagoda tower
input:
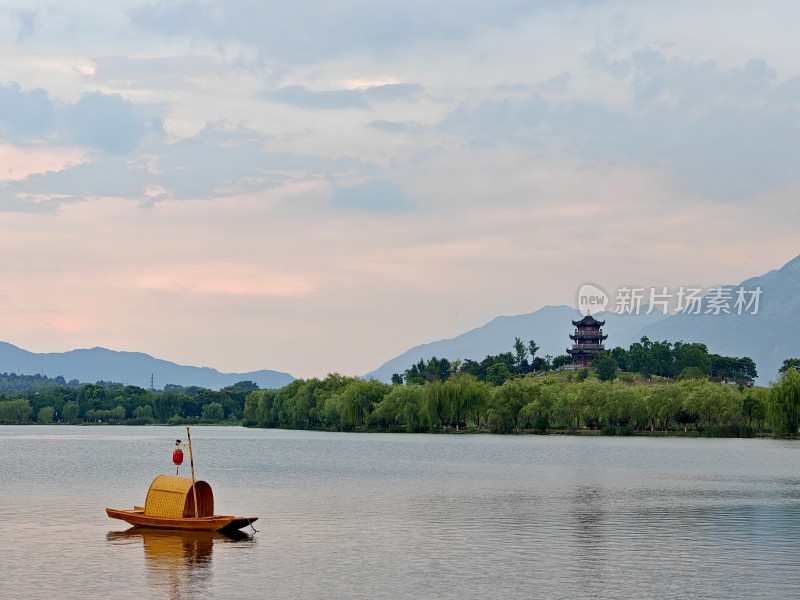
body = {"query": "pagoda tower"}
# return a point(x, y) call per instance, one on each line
point(588, 339)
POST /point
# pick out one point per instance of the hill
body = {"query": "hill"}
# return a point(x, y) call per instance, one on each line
point(549, 327)
point(133, 368)
point(768, 337)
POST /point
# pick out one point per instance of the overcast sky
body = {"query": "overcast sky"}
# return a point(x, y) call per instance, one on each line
point(316, 186)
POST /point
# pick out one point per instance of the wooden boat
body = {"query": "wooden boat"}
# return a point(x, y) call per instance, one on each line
point(180, 503)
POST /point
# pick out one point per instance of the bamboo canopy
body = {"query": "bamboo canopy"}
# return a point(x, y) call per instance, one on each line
point(174, 497)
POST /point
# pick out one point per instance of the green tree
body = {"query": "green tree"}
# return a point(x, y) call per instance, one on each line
point(251, 406)
point(746, 373)
point(661, 358)
point(520, 354)
point(144, 413)
point(665, 403)
point(714, 402)
point(326, 397)
point(570, 407)
point(686, 418)
point(605, 366)
point(687, 355)
point(358, 399)
point(92, 396)
point(233, 398)
point(626, 405)
point(537, 411)
point(436, 369)
point(132, 396)
point(592, 398)
point(399, 408)
point(300, 407)
point(498, 373)
point(71, 411)
point(435, 405)
point(692, 373)
point(166, 405)
point(561, 360)
point(465, 395)
point(268, 407)
point(118, 413)
point(754, 403)
point(784, 403)
point(213, 411)
point(790, 363)
point(533, 348)
point(507, 402)
point(741, 370)
point(46, 414)
point(15, 411)
point(640, 359)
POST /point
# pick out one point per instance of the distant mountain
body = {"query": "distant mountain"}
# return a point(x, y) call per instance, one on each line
point(549, 327)
point(133, 368)
point(768, 337)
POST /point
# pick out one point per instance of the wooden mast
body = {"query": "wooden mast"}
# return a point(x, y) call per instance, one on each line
point(191, 463)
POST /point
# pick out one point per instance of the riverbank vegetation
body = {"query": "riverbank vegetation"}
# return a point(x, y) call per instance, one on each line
point(452, 396)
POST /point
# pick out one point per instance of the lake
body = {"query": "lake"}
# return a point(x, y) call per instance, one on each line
point(403, 516)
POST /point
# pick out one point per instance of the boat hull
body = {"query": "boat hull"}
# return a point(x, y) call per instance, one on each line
point(137, 518)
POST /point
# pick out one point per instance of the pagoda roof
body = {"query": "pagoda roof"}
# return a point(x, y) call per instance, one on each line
point(588, 321)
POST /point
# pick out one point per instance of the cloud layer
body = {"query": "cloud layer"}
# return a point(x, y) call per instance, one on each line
point(318, 186)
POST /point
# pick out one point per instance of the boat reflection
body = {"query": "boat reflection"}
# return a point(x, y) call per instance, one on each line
point(177, 562)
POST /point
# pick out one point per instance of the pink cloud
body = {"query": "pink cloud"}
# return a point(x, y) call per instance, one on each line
point(218, 278)
point(20, 163)
point(257, 281)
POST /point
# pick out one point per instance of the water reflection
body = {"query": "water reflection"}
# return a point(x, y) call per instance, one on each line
point(177, 562)
point(588, 526)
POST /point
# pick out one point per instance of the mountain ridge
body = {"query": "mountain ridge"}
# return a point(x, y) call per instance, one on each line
point(768, 337)
point(89, 365)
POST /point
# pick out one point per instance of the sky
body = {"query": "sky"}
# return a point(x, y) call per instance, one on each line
point(317, 186)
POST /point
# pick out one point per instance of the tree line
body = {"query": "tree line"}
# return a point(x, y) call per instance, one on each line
point(494, 369)
point(108, 402)
point(527, 403)
point(452, 400)
point(665, 359)
point(647, 358)
point(14, 382)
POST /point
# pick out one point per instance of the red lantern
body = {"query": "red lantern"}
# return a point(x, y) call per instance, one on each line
point(177, 457)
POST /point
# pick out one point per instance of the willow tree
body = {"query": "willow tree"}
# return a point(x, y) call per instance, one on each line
point(46, 414)
point(712, 401)
point(465, 395)
point(784, 403)
point(357, 401)
point(435, 404)
point(592, 398)
point(15, 411)
point(507, 402)
point(754, 405)
point(663, 404)
point(625, 405)
point(400, 407)
point(538, 411)
point(72, 411)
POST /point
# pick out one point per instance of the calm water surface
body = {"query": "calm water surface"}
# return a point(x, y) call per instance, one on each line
point(404, 516)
